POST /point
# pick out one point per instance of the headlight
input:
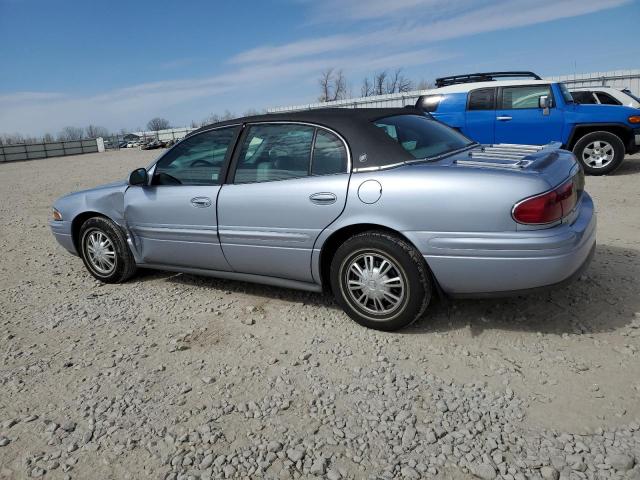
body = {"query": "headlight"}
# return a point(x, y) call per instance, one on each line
point(634, 119)
point(57, 215)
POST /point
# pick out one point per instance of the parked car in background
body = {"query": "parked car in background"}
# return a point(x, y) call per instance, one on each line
point(152, 145)
point(604, 96)
point(533, 111)
point(383, 207)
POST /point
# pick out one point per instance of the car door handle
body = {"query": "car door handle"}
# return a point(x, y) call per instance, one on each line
point(504, 118)
point(323, 198)
point(201, 202)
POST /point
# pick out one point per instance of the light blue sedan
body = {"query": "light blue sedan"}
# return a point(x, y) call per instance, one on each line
point(384, 207)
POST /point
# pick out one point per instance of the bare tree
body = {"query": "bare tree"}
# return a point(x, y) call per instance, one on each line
point(424, 85)
point(379, 83)
point(227, 115)
point(47, 138)
point(401, 83)
point(158, 123)
point(333, 85)
point(11, 139)
point(94, 131)
point(71, 133)
point(366, 90)
point(325, 85)
point(213, 118)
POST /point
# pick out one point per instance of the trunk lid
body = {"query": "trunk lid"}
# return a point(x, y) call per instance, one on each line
point(548, 161)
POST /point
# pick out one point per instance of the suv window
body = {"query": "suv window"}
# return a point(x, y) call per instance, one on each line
point(523, 97)
point(329, 154)
point(429, 103)
point(196, 160)
point(482, 99)
point(585, 98)
point(274, 152)
point(607, 99)
point(421, 136)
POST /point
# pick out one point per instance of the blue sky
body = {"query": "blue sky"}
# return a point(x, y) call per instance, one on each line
point(118, 64)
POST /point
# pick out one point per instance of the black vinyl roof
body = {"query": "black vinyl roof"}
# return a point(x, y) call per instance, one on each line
point(369, 146)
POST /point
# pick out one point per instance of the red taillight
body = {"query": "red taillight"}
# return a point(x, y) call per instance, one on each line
point(547, 207)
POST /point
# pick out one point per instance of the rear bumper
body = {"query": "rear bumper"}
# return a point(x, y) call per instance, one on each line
point(500, 264)
point(62, 232)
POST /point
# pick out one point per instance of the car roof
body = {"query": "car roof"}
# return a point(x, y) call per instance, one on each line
point(368, 148)
point(466, 87)
point(323, 116)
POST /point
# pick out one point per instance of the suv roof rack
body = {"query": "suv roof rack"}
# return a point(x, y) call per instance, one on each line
point(482, 77)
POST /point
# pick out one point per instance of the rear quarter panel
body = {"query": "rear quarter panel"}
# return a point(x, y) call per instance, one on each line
point(440, 198)
point(452, 109)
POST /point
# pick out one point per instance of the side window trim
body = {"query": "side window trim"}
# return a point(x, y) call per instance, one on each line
point(233, 163)
point(501, 89)
point(313, 151)
point(227, 159)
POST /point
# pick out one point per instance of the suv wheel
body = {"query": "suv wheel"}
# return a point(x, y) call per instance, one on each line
point(105, 252)
point(380, 281)
point(599, 152)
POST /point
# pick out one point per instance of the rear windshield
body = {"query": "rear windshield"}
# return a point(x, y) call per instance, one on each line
point(421, 136)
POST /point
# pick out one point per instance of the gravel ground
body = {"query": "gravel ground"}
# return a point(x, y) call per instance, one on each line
point(178, 376)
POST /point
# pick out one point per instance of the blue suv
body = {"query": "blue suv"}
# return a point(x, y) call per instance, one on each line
point(536, 112)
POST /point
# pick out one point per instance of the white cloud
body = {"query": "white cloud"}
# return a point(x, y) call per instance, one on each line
point(134, 105)
point(390, 34)
point(498, 16)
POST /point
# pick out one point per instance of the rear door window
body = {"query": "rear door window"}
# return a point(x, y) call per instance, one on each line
point(606, 99)
point(274, 152)
point(584, 98)
point(482, 99)
point(329, 154)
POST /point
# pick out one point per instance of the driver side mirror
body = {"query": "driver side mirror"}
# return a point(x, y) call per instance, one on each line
point(544, 102)
point(139, 177)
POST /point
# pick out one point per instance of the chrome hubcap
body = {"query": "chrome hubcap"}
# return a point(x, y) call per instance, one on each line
point(598, 154)
point(100, 252)
point(375, 283)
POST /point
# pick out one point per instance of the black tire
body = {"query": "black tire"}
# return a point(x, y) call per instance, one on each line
point(124, 265)
point(607, 140)
point(406, 264)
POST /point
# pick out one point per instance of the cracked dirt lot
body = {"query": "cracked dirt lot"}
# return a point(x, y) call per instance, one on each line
point(178, 376)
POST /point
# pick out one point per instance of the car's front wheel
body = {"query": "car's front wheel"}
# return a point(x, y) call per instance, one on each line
point(599, 152)
point(380, 280)
point(105, 251)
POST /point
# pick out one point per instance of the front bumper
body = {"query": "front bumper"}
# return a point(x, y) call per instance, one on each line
point(634, 142)
point(62, 232)
point(498, 264)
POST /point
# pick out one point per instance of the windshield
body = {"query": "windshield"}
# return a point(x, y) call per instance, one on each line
point(566, 94)
point(421, 136)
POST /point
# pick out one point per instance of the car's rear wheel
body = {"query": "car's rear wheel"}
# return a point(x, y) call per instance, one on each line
point(105, 252)
point(380, 280)
point(599, 152)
